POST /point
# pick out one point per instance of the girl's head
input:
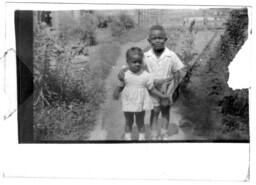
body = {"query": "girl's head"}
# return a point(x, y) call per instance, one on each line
point(157, 37)
point(134, 59)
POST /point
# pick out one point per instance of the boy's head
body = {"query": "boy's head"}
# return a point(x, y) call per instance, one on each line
point(134, 58)
point(157, 37)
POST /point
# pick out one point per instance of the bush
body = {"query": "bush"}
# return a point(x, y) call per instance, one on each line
point(64, 122)
point(72, 29)
point(235, 35)
point(43, 46)
point(126, 21)
point(208, 101)
point(116, 28)
point(234, 105)
point(65, 101)
point(68, 94)
point(121, 24)
point(103, 21)
point(235, 111)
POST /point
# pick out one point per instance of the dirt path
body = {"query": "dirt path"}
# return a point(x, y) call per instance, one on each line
point(110, 124)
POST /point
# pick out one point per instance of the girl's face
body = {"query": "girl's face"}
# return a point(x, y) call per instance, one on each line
point(135, 62)
point(157, 39)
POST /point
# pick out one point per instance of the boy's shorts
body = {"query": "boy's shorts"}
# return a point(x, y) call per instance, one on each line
point(155, 101)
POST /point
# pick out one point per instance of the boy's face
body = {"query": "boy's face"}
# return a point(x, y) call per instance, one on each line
point(157, 39)
point(135, 62)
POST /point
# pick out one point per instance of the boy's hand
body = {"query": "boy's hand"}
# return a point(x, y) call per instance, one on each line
point(165, 96)
point(164, 88)
point(164, 101)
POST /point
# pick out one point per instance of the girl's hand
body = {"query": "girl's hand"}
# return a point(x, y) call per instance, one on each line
point(116, 94)
point(117, 91)
point(120, 75)
point(158, 82)
point(165, 96)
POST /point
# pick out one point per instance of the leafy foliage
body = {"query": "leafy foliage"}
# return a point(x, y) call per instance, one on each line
point(78, 30)
point(121, 24)
point(68, 91)
point(234, 105)
point(215, 109)
point(63, 122)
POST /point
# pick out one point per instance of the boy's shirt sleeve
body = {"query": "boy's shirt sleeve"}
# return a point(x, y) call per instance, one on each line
point(150, 81)
point(145, 65)
point(177, 63)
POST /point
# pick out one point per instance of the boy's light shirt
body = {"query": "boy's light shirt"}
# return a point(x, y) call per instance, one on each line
point(164, 66)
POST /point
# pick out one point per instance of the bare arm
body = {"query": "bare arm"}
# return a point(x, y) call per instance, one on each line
point(159, 82)
point(120, 75)
point(177, 79)
point(157, 93)
point(117, 92)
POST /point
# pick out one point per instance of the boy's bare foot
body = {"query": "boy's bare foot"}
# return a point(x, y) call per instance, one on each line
point(154, 136)
point(164, 135)
point(127, 136)
point(141, 136)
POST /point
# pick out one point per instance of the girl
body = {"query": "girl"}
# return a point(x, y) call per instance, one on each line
point(135, 96)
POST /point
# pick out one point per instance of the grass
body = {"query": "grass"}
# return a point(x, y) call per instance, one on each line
point(64, 122)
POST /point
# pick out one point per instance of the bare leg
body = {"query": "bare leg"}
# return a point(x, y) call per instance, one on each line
point(140, 121)
point(165, 111)
point(140, 124)
point(129, 118)
point(151, 118)
point(154, 121)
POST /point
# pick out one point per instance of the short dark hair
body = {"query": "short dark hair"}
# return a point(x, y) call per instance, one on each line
point(134, 50)
point(157, 27)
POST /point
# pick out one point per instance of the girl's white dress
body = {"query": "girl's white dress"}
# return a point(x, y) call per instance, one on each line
point(135, 96)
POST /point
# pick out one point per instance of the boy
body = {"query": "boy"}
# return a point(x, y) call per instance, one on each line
point(165, 66)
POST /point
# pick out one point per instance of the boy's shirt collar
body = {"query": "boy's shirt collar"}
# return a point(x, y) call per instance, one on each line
point(166, 53)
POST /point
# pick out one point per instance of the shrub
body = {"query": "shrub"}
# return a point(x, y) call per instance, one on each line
point(126, 21)
point(103, 21)
point(116, 28)
point(43, 52)
point(234, 104)
point(71, 95)
point(121, 24)
point(64, 122)
point(77, 30)
point(235, 35)
point(65, 101)
point(208, 96)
